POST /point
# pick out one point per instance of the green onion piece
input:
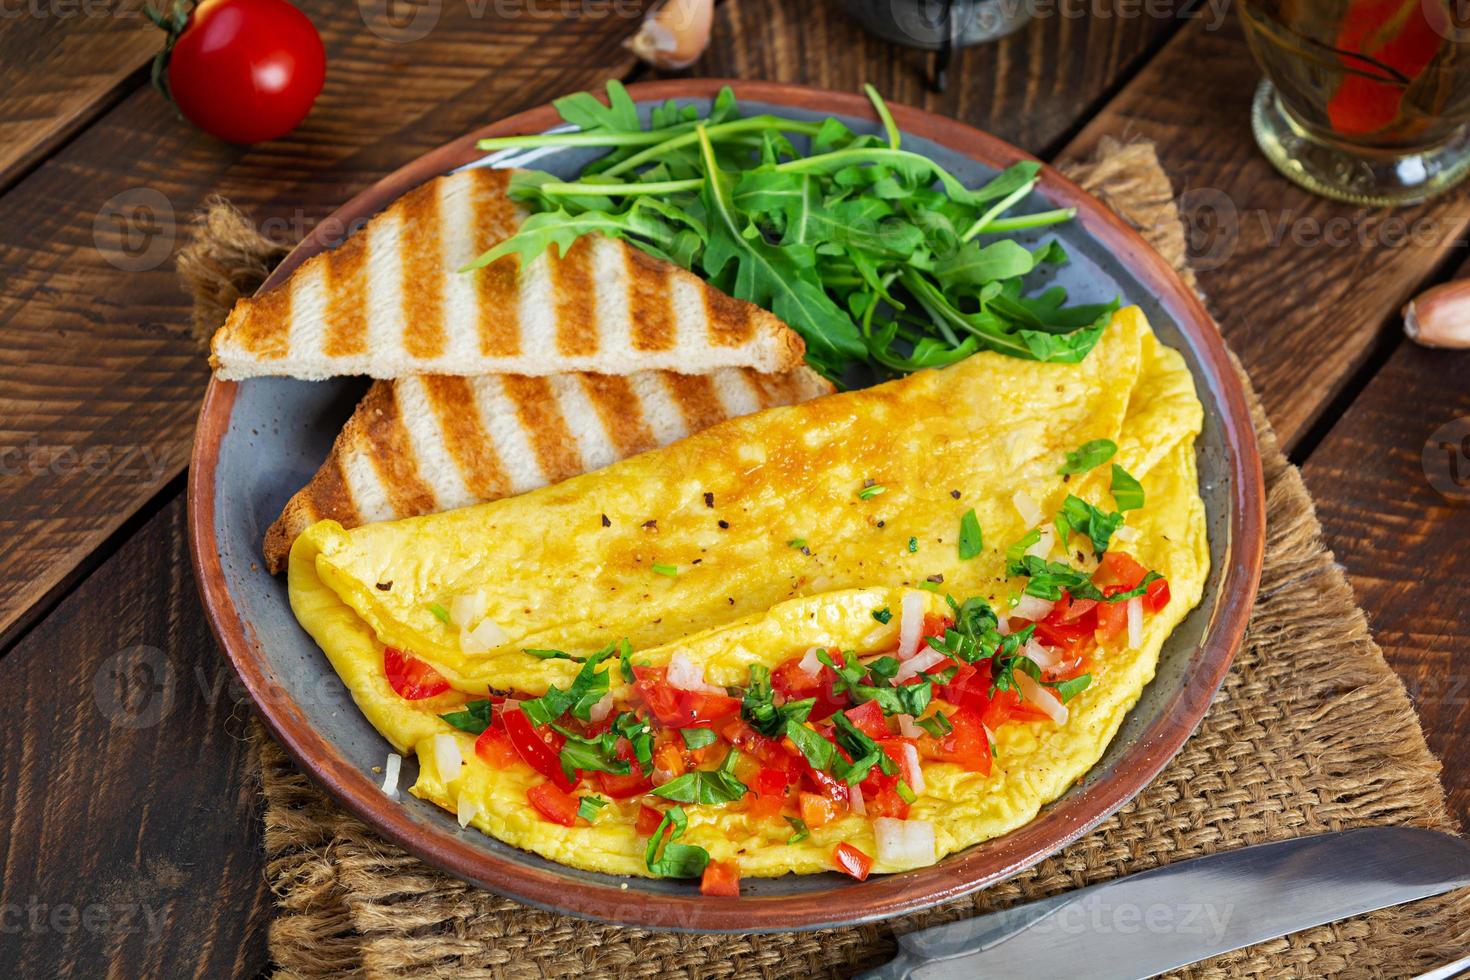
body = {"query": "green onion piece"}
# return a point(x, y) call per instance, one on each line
point(587, 809)
point(1088, 455)
point(802, 831)
point(670, 570)
point(440, 613)
point(872, 491)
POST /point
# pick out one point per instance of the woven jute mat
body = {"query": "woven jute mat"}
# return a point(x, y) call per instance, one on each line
point(1311, 732)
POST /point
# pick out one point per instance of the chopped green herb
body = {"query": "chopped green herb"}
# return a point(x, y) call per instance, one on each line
point(554, 655)
point(1017, 550)
point(797, 543)
point(698, 738)
point(639, 735)
point(873, 491)
point(474, 717)
point(670, 570)
point(1067, 690)
point(883, 669)
point(802, 832)
point(758, 705)
point(1127, 492)
point(588, 807)
point(818, 752)
point(625, 658)
point(928, 586)
point(905, 699)
point(937, 724)
point(970, 539)
point(1088, 455)
point(707, 787)
point(1079, 517)
point(860, 747)
point(882, 615)
point(591, 754)
point(668, 859)
point(440, 613)
point(587, 688)
point(913, 545)
point(849, 671)
point(905, 793)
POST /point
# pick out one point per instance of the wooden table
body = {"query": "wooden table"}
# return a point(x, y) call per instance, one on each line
point(133, 830)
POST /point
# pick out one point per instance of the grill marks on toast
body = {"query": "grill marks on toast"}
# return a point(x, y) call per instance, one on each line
point(574, 288)
point(496, 218)
point(425, 444)
point(421, 269)
point(729, 319)
point(650, 302)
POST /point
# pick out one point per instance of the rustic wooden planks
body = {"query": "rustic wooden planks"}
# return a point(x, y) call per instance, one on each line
point(1032, 88)
point(132, 815)
point(1406, 544)
point(61, 63)
point(99, 378)
point(1305, 288)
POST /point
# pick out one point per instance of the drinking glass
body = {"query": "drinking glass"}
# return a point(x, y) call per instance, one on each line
point(1365, 101)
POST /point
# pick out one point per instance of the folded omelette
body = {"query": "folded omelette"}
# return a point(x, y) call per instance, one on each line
point(856, 634)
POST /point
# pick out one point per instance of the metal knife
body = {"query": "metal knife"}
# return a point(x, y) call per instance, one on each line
point(1145, 924)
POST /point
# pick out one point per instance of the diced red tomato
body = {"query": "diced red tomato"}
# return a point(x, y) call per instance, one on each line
point(967, 745)
point(652, 685)
point(533, 748)
point(1156, 596)
point(494, 746)
point(852, 861)
point(795, 684)
point(702, 707)
point(934, 625)
point(633, 784)
point(410, 677)
point(553, 804)
point(670, 759)
point(829, 786)
point(765, 805)
point(868, 717)
point(816, 809)
point(770, 782)
point(1069, 610)
point(1064, 670)
point(1067, 636)
point(885, 802)
point(970, 686)
point(648, 820)
point(1112, 617)
point(721, 878)
point(1119, 568)
point(770, 752)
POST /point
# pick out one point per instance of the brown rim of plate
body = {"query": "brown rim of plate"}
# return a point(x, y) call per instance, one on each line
point(879, 897)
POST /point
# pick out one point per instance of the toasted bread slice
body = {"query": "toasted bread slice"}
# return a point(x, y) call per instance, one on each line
point(391, 302)
point(425, 444)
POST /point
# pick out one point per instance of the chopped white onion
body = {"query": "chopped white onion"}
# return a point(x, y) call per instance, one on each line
point(1032, 608)
point(1042, 697)
point(468, 608)
point(1126, 534)
point(600, 710)
point(921, 661)
point(390, 775)
point(913, 773)
point(904, 843)
point(907, 727)
point(910, 624)
point(1040, 655)
point(467, 808)
point(1135, 622)
point(1027, 507)
point(447, 757)
point(855, 800)
point(809, 664)
point(989, 736)
point(1003, 626)
point(686, 675)
point(487, 636)
point(1042, 547)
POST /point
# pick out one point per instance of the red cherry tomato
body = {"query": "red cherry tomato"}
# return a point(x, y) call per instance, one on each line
point(413, 679)
point(533, 748)
point(868, 719)
point(245, 70)
point(816, 810)
point(851, 861)
point(494, 746)
point(648, 820)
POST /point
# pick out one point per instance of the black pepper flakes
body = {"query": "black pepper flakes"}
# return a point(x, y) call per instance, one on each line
point(955, 494)
point(869, 483)
point(709, 500)
point(882, 523)
point(385, 586)
point(650, 525)
point(724, 525)
point(937, 579)
point(605, 521)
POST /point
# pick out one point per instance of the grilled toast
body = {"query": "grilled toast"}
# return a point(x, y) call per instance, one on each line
point(424, 444)
point(391, 302)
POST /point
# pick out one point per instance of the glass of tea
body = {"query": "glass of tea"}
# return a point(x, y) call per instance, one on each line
point(1366, 101)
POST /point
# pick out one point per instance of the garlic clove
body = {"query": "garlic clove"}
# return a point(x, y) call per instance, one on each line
point(1440, 317)
point(674, 34)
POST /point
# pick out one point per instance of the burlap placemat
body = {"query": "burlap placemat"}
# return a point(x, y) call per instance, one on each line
point(1311, 732)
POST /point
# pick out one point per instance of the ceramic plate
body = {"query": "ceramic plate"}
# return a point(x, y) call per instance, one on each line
point(259, 441)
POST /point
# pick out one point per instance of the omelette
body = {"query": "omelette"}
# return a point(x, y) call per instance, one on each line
point(856, 634)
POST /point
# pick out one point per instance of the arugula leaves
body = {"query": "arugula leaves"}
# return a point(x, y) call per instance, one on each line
point(881, 259)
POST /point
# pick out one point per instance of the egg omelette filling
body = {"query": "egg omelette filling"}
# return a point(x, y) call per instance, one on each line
point(856, 634)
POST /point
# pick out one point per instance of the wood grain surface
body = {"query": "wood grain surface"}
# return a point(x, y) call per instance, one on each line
point(99, 376)
point(62, 62)
point(1392, 485)
point(132, 845)
point(1305, 289)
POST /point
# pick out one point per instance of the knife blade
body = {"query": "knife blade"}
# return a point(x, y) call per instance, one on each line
point(1144, 924)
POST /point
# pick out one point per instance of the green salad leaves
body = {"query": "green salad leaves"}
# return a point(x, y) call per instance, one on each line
point(880, 258)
